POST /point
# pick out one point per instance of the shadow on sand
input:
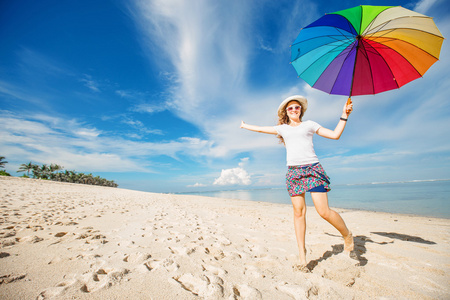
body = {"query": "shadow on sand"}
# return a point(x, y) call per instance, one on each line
point(360, 247)
point(404, 237)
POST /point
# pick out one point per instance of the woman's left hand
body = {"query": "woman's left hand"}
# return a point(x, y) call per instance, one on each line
point(348, 108)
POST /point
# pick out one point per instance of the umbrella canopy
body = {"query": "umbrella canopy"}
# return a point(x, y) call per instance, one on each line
point(366, 50)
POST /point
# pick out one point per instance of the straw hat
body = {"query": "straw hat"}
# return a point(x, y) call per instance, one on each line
point(302, 100)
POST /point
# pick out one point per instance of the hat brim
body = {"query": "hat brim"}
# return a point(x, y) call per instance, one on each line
point(300, 99)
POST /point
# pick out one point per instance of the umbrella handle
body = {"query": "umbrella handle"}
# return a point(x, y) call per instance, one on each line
point(349, 101)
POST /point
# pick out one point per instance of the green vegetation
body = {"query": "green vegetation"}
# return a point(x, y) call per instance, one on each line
point(2, 162)
point(2, 165)
point(55, 172)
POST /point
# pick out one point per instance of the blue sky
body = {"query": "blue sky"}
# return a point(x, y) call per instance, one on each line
point(151, 94)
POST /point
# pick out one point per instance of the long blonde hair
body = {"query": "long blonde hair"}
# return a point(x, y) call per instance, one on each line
point(283, 118)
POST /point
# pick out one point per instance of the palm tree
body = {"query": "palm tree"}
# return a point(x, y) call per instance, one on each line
point(36, 171)
point(88, 179)
point(26, 167)
point(72, 177)
point(45, 171)
point(59, 177)
point(55, 167)
point(2, 162)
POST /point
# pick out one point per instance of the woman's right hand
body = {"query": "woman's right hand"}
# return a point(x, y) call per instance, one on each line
point(242, 124)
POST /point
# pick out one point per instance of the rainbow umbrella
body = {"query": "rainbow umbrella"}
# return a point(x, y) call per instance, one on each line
point(366, 50)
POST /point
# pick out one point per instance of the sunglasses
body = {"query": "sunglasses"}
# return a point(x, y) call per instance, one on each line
point(290, 108)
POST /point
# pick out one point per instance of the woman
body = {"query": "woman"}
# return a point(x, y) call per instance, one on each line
point(305, 173)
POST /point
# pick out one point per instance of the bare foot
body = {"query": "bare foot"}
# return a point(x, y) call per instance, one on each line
point(303, 258)
point(348, 242)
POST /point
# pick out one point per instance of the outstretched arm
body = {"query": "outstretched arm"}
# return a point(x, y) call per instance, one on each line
point(262, 129)
point(337, 132)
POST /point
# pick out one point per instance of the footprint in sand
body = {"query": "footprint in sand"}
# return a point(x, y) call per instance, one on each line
point(306, 291)
point(340, 269)
point(86, 283)
point(5, 279)
point(57, 291)
point(215, 252)
point(183, 251)
point(136, 258)
point(7, 242)
point(60, 234)
point(253, 272)
point(102, 278)
point(223, 240)
point(202, 286)
point(246, 292)
point(167, 264)
point(214, 270)
point(8, 232)
point(31, 239)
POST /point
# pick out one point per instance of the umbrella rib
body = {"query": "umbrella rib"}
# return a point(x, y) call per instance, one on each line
point(334, 40)
point(334, 49)
point(356, 54)
point(391, 20)
point(394, 29)
point(331, 50)
point(396, 39)
point(390, 70)
point(354, 67)
point(330, 36)
point(364, 53)
point(342, 34)
point(374, 47)
point(334, 83)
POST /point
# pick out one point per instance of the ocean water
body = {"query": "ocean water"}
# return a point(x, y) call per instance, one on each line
point(425, 198)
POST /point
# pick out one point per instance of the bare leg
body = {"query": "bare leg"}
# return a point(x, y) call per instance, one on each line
point(299, 205)
point(321, 203)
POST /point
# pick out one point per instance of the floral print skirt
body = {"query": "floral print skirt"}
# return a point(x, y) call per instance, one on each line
point(306, 178)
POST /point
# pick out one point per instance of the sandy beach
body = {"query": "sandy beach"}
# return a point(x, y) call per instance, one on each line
point(71, 241)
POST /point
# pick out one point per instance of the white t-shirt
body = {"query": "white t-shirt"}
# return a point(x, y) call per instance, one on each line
point(299, 142)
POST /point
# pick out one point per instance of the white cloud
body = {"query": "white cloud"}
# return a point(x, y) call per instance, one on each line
point(125, 94)
point(196, 185)
point(424, 5)
point(149, 107)
point(88, 132)
point(207, 45)
point(234, 176)
point(244, 161)
point(138, 125)
point(49, 139)
point(18, 93)
point(90, 83)
point(264, 46)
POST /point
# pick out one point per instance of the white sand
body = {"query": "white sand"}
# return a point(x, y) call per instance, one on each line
point(69, 241)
